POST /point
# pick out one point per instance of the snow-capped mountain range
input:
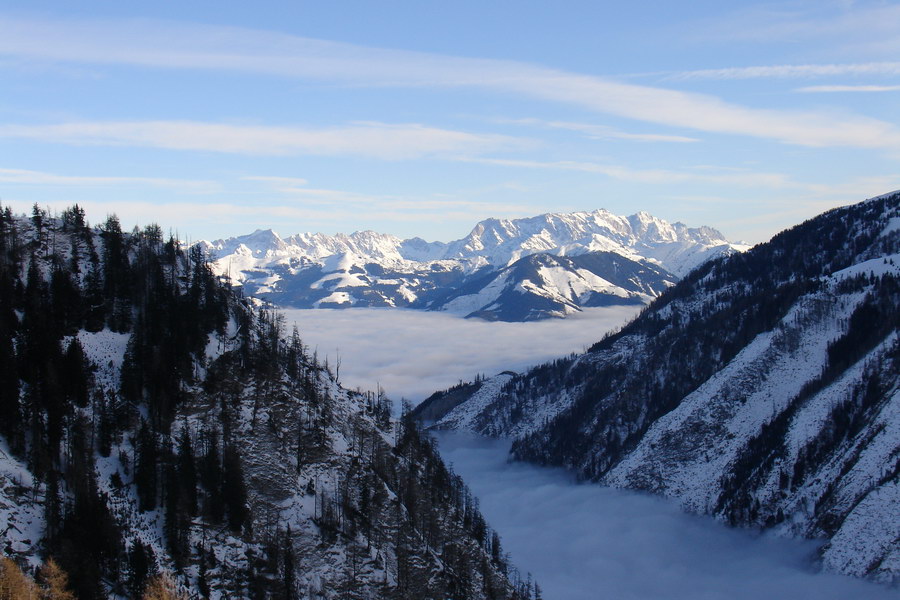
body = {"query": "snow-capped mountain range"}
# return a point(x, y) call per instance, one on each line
point(763, 388)
point(549, 265)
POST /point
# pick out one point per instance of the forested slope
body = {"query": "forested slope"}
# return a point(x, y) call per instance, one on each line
point(151, 419)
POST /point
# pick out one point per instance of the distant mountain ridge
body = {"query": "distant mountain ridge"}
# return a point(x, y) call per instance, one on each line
point(493, 273)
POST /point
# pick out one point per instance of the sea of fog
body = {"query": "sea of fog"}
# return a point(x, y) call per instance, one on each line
point(581, 542)
point(588, 542)
point(412, 353)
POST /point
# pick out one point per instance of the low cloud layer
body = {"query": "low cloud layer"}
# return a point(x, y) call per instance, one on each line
point(583, 542)
point(413, 353)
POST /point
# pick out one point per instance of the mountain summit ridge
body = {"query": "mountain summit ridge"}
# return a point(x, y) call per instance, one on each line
point(367, 268)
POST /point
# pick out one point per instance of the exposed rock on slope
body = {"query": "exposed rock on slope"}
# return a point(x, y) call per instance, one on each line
point(762, 388)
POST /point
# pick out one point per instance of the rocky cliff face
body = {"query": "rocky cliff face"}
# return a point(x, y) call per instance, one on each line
point(763, 388)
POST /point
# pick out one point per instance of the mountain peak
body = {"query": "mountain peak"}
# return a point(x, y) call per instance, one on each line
point(265, 234)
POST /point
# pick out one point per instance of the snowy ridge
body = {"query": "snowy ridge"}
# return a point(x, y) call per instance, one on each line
point(675, 247)
point(462, 417)
point(762, 389)
point(367, 268)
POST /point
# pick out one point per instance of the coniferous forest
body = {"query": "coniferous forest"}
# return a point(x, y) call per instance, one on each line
point(166, 437)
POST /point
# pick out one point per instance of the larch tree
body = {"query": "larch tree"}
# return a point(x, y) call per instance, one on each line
point(161, 587)
point(14, 584)
point(55, 582)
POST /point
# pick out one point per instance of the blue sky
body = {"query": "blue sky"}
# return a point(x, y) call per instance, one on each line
point(420, 118)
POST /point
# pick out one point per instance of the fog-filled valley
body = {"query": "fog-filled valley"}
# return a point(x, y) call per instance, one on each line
point(575, 539)
point(583, 542)
point(413, 353)
point(450, 300)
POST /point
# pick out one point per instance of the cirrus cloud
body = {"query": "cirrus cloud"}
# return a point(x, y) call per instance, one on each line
point(378, 140)
point(792, 71)
point(172, 45)
point(813, 89)
point(28, 177)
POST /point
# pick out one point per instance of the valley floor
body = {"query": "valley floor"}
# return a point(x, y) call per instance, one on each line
point(584, 542)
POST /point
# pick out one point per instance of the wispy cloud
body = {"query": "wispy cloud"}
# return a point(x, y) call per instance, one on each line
point(655, 176)
point(378, 140)
point(814, 89)
point(26, 177)
point(180, 46)
point(250, 201)
point(851, 190)
point(601, 132)
point(381, 206)
point(290, 182)
point(852, 26)
point(297, 188)
point(791, 71)
point(225, 214)
point(804, 200)
point(818, 196)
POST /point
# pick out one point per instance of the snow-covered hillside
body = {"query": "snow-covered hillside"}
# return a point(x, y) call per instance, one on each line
point(485, 274)
point(151, 419)
point(763, 388)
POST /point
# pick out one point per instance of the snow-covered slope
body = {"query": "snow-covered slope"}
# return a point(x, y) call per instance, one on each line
point(371, 269)
point(151, 419)
point(763, 388)
point(541, 285)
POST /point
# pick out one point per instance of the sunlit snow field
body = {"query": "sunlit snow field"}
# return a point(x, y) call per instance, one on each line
point(588, 542)
point(412, 353)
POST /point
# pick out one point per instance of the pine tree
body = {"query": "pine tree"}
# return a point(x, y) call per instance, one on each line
point(187, 473)
point(38, 215)
point(211, 478)
point(140, 564)
point(10, 411)
point(177, 521)
point(145, 474)
point(93, 304)
point(117, 276)
point(65, 302)
point(234, 490)
point(76, 371)
point(288, 577)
